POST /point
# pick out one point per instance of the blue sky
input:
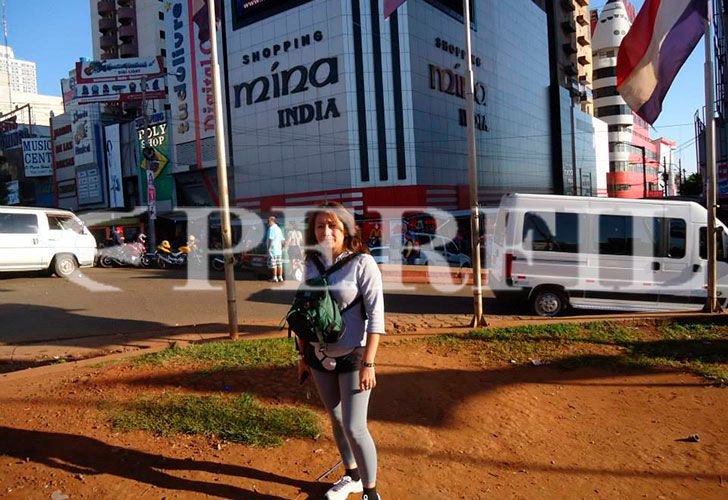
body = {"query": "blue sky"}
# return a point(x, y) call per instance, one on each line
point(55, 33)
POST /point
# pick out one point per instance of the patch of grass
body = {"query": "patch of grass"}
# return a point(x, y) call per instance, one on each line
point(227, 354)
point(241, 419)
point(680, 331)
point(700, 348)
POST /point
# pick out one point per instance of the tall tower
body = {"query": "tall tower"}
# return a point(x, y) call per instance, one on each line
point(127, 28)
point(612, 26)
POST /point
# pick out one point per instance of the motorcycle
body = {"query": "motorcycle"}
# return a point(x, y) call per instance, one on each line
point(122, 255)
point(165, 258)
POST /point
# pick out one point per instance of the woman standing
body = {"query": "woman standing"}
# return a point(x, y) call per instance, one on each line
point(344, 372)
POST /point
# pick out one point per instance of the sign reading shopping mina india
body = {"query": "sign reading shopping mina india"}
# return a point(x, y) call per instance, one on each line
point(37, 157)
point(289, 81)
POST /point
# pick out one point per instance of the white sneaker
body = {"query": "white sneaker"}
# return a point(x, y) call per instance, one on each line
point(343, 488)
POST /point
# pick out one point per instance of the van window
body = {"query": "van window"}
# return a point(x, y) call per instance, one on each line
point(18, 223)
point(551, 232)
point(703, 245)
point(615, 235)
point(64, 222)
point(677, 239)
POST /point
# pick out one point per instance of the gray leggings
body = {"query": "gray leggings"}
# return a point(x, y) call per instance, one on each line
point(347, 407)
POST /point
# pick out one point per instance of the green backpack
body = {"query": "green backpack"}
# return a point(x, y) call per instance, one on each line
point(315, 315)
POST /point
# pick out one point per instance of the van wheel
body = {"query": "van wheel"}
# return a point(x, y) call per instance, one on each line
point(64, 266)
point(549, 302)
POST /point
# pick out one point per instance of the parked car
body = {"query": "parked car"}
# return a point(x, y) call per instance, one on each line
point(33, 239)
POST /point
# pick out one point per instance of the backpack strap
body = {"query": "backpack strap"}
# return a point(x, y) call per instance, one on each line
point(327, 272)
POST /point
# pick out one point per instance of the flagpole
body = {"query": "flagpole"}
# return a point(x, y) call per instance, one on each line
point(478, 318)
point(222, 179)
point(711, 304)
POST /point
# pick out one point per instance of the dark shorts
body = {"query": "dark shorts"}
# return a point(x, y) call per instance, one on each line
point(347, 363)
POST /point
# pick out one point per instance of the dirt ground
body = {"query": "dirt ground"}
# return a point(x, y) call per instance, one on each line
point(446, 427)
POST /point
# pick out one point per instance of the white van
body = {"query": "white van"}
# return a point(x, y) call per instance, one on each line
point(603, 253)
point(33, 239)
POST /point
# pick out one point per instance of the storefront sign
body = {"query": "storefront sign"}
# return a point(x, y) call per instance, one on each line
point(113, 160)
point(153, 148)
point(37, 157)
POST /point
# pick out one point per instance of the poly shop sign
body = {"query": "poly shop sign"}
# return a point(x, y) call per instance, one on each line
point(37, 157)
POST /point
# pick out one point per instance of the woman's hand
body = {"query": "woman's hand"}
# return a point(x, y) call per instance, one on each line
point(367, 378)
point(303, 371)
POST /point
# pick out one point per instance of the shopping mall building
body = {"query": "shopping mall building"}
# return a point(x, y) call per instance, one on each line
point(327, 100)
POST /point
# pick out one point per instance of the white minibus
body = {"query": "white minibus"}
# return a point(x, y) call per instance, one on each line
point(33, 239)
point(603, 253)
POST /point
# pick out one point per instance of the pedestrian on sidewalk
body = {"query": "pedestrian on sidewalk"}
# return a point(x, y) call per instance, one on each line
point(344, 372)
point(275, 249)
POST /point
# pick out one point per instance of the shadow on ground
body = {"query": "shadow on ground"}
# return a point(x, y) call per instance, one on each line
point(411, 395)
point(83, 455)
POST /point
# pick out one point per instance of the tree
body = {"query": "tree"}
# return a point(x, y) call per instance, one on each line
point(693, 185)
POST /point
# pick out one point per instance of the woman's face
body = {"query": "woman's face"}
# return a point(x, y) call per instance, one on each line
point(330, 232)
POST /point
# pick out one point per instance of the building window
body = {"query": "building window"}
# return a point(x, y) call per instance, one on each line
point(606, 92)
point(164, 52)
point(605, 72)
point(161, 16)
point(620, 109)
point(162, 35)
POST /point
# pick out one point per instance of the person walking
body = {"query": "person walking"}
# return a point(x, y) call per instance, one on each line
point(275, 250)
point(344, 372)
point(294, 241)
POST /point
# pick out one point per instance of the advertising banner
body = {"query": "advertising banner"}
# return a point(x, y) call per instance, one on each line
point(82, 137)
point(114, 70)
point(190, 81)
point(122, 91)
point(89, 184)
point(153, 148)
point(13, 193)
point(113, 161)
point(37, 157)
point(247, 12)
point(119, 80)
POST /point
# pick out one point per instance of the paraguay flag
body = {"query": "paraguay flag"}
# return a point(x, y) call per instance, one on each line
point(390, 6)
point(662, 37)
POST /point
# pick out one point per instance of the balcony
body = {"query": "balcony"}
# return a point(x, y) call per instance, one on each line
point(125, 3)
point(107, 24)
point(584, 60)
point(583, 3)
point(106, 7)
point(127, 32)
point(570, 70)
point(582, 20)
point(107, 42)
point(125, 15)
point(569, 49)
point(583, 41)
point(110, 54)
point(568, 5)
point(129, 50)
point(568, 26)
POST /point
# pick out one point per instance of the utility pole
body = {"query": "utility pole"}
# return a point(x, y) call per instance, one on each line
point(664, 176)
point(478, 318)
point(222, 179)
point(573, 94)
point(644, 173)
point(711, 303)
point(151, 190)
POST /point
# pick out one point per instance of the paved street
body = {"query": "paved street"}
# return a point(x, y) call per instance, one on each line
point(43, 309)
